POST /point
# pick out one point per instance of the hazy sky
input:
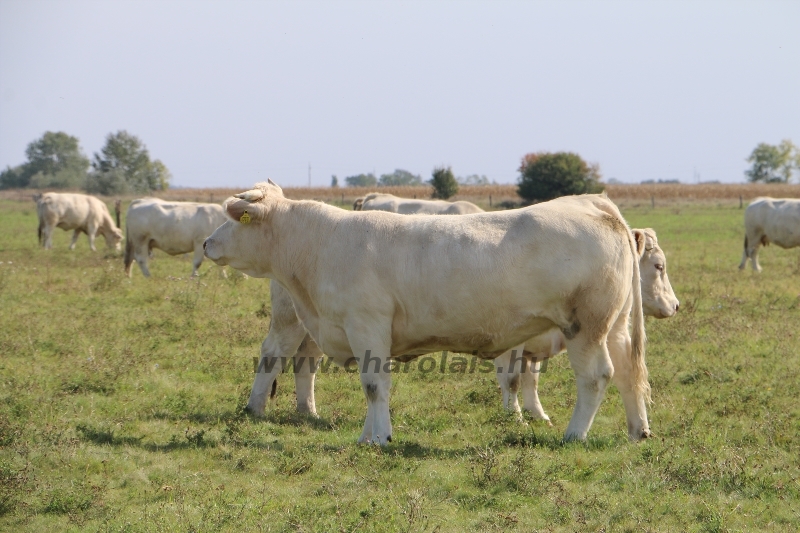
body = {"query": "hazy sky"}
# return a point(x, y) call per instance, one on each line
point(230, 93)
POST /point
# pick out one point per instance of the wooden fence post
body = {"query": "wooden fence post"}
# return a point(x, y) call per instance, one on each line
point(653, 201)
point(117, 205)
point(740, 201)
point(490, 200)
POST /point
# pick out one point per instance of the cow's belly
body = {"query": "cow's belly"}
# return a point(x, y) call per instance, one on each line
point(172, 247)
point(486, 342)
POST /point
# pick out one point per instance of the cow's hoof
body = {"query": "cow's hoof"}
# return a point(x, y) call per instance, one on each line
point(646, 434)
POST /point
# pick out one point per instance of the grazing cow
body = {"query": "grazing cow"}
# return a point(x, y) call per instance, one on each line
point(174, 227)
point(519, 368)
point(388, 202)
point(79, 212)
point(370, 287)
point(769, 220)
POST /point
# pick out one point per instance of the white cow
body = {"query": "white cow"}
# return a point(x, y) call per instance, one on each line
point(769, 220)
point(174, 227)
point(79, 212)
point(518, 369)
point(388, 202)
point(376, 286)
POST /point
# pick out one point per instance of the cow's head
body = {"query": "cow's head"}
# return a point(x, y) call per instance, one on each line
point(658, 299)
point(113, 236)
point(241, 241)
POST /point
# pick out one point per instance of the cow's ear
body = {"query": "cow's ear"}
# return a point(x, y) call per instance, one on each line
point(650, 241)
point(641, 242)
point(236, 210)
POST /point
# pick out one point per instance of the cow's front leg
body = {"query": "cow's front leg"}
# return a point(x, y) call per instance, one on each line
point(376, 385)
point(370, 342)
point(509, 367)
point(75, 235)
point(530, 391)
point(275, 350)
point(306, 362)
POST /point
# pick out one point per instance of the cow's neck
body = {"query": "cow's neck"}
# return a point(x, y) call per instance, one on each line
point(298, 230)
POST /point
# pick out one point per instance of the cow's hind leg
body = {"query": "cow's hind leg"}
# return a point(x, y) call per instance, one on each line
point(593, 370)
point(48, 236)
point(140, 254)
point(75, 235)
point(197, 260)
point(619, 347)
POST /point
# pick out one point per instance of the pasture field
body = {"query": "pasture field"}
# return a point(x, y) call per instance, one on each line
point(121, 408)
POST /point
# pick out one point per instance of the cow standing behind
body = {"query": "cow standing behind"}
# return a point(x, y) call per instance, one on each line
point(79, 212)
point(376, 286)
point(518, 369)
point(405, 206)
point(173, 227)
point(769, 220)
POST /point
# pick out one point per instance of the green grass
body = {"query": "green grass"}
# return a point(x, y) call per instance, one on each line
point(121, 409)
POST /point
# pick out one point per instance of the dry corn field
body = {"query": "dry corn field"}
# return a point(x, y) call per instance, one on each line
point(492, 196)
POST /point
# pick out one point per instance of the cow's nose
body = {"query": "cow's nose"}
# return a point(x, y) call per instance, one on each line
point(677, 306)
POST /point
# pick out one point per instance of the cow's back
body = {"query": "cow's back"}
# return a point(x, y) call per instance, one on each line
point(70, 210)
point(777, 218)
point(174, 227)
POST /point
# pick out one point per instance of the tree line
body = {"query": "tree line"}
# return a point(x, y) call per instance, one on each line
point(123, 165)
point(56, 161)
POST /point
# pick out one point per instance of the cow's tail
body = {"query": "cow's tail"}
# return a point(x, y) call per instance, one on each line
point(128, 250)
point(638, 338)
point(40, 213)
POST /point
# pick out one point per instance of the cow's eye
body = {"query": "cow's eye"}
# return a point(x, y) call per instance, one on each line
point(660, 268)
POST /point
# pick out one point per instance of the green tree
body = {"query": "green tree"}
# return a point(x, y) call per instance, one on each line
point(544, 176)
point(444, 183)
point(773, 164)
point(334, 181)
point(400, 177)
point(124, 164)
point(54, 161)
point(362, 180)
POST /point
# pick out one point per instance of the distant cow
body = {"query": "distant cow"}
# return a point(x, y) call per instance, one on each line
point(769, 220)
point(371, 287)
point(518, 369)
point(174, 227)
point(79, 212)
point(388, 202)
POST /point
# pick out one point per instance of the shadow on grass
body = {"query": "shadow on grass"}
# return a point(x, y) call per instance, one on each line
point(529, 438)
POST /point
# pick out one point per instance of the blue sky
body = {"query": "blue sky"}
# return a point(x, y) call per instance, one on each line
point(230, 93)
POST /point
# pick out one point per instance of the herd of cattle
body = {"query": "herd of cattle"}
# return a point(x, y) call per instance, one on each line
point(387, 283)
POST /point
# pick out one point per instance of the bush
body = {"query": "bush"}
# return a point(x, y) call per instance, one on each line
point(444, 183)
point(544, 176)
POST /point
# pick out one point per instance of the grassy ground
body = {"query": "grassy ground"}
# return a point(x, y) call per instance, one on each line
point(120, 409)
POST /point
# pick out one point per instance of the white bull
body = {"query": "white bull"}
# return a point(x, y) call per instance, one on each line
point(518, 369)
point(769, 220)
point(376, 286)
point(79, 212)
point(174, 227)
point(405, 206)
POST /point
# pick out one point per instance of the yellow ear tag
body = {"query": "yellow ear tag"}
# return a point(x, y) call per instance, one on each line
point(245, 218)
